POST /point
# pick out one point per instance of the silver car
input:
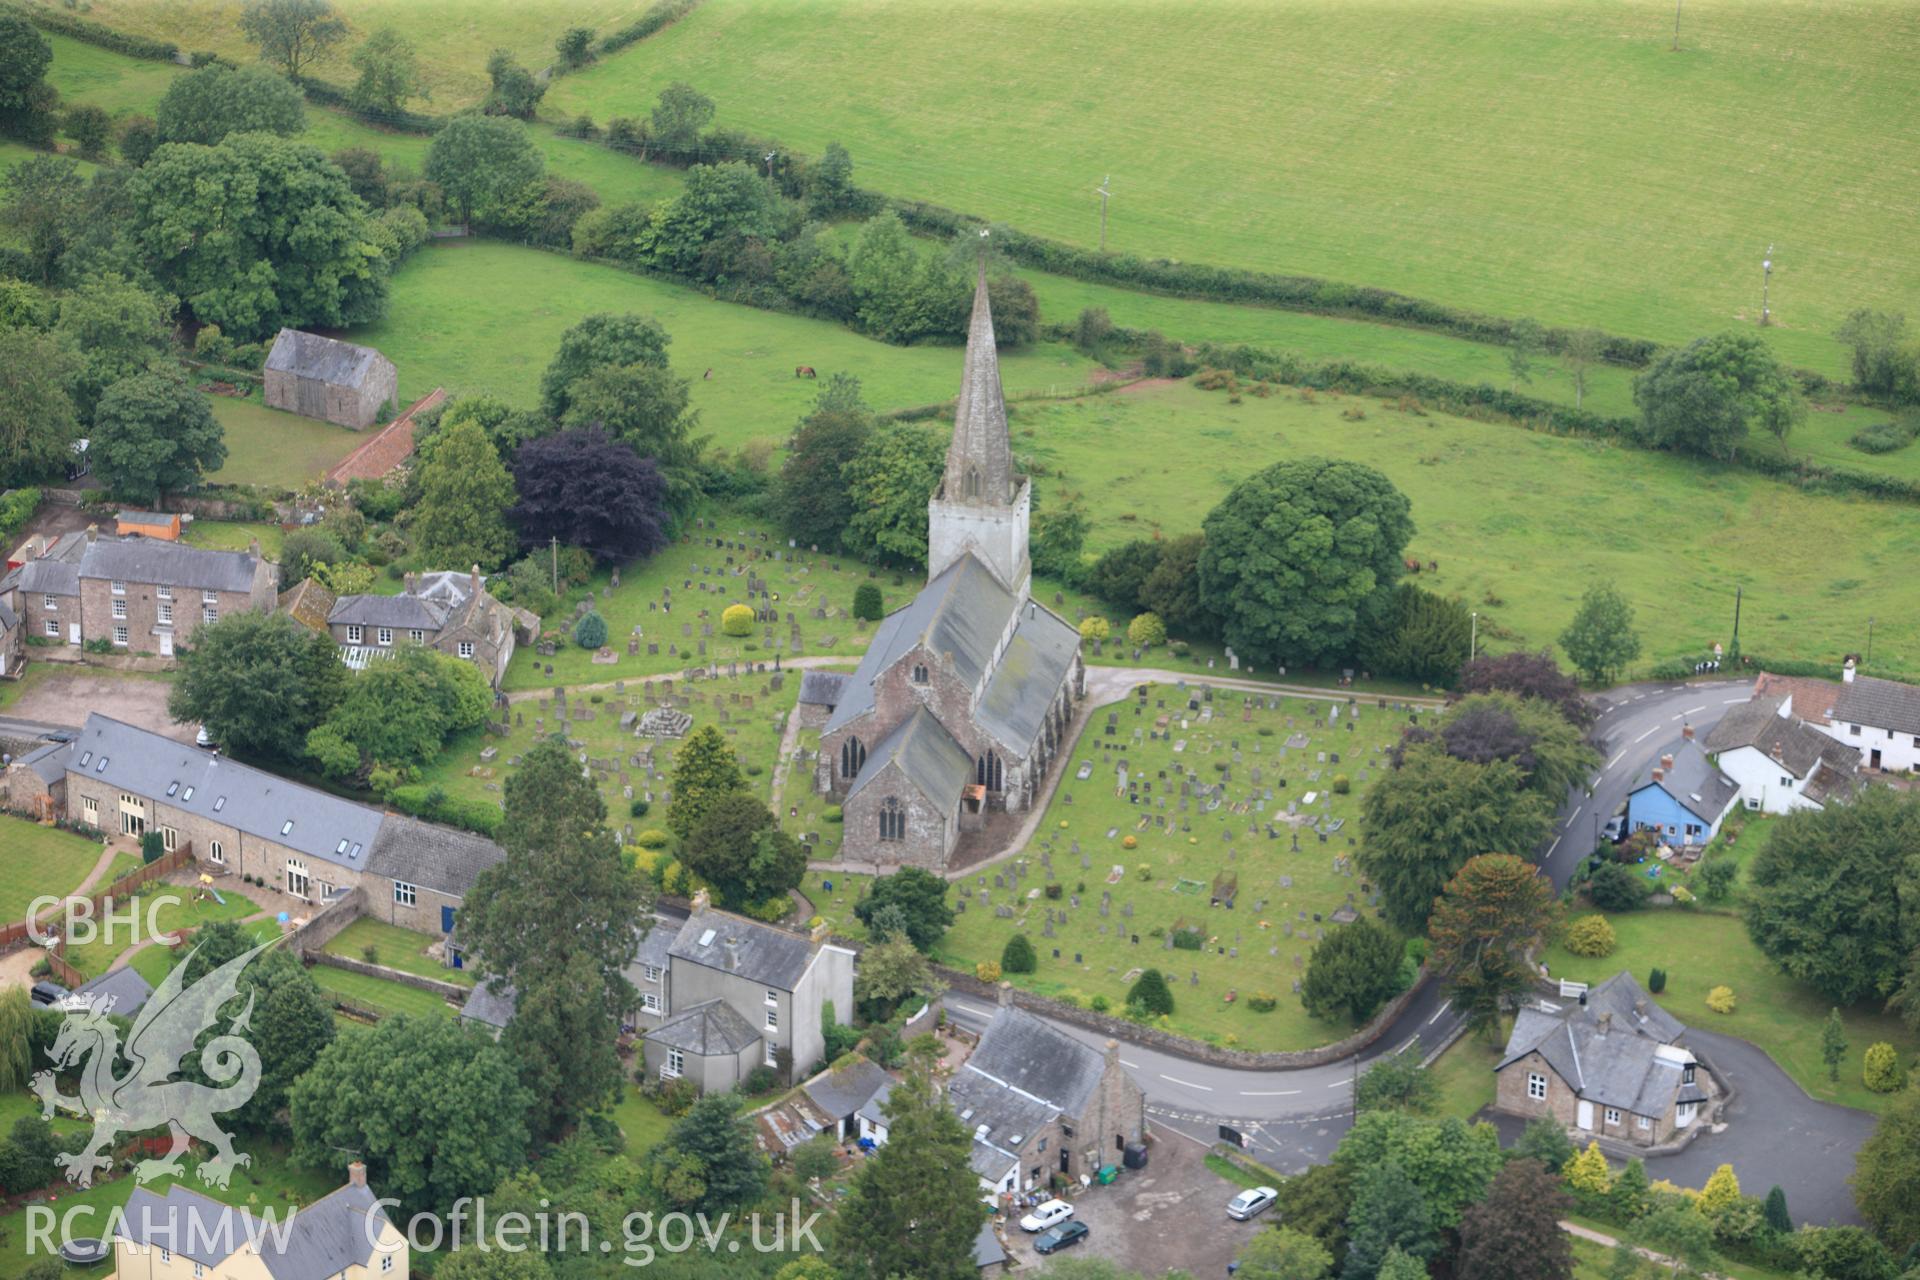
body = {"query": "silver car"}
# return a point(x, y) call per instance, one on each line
point(1254, 1200)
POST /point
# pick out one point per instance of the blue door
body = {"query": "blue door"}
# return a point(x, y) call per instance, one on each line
point(446, 919)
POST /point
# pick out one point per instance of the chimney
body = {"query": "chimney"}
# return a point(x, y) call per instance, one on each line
point(1659, 774)
point(356, 1174)
point(253, 547)
point(1113, 1052)
point(476, 581)
point(1686, 731)
point(1666, 763)
point(413, 581)
point(1005, 995)
point(1602, 1022)
point(93, 532)
point(818, 935)
point(1846, 668)
point(702, 900)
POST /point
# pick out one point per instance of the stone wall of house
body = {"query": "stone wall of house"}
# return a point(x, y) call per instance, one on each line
point(35, 613)
point(930, 834)
point(1510, 1091)
point(151, 609)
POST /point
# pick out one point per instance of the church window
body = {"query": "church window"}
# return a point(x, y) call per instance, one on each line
point(919, 675)
point(988, 773)
point(973, 482)
point(853, 756)
point(893, 820)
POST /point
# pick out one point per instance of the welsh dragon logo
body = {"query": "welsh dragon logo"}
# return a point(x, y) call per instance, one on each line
point(146, 1095)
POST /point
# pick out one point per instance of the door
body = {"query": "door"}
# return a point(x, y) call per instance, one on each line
point(1585, 1117)
point(73, 633)
point(1876, 758)
point(446, 919)
point(166, 644)
point(1066, 1160)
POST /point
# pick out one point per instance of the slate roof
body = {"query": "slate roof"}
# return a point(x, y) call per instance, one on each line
point(1828, 784)
point(1879, 704)
point(1812, 699)
point(709, 1029)
point(843, 1092)
point(1788, 740)
point(874, 1111)
point(124, 987)
point(173, 564)
point(489, 1009)
point(1027, 1054)
point(1611, 1051)
point(8, 618)
point(49, 762)
point(401, 612)
point(431, 856)
point(1014, 706)
point(927, 754)
point(57, 573)
point(321, 1240)
point(656, 948)
point(307, 603)
point(758, 952)
point(823, 688)
point(308, 355)
point(1695, 782)
point(987, 1249)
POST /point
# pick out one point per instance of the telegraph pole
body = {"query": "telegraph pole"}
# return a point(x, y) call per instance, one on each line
point(555, 541)
point(1676, 24)
point(1104, 194)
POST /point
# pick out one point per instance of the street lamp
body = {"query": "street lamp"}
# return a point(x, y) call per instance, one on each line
point(1869, 641)
point(1766, 282)
point(769, 159)
point(1473, 637)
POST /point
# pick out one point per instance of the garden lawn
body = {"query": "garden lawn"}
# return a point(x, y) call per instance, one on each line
point(155, 962)
point(396, 948)
point(379, 996)
point(39, 861)
point(1519, 522)
point(276, 449)
point(641, 1122)
point(1285, 895)
point(1464, 1075)
point(189, 910)
point(233, 535)
point(1702, 950)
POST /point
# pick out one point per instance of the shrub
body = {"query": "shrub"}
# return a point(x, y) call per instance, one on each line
point(1188, 938)
point(815, 1159)
point(1129, 842)
point(370, 953)
point(1150, 994)
point(1721, 1000)
point(1588, 1171)
point(1017, 956)
point(1144, 871)
point(1715, 879)
point(1147, 630)
point(1341, 784)
point(1099, 1004)
point(987, 971)
point(590, 632)
point(736, 620)
point(1263, 1002)
point(867, 604)
point(1884, 1072)
point(151, 847)
point(1657, 981)
point(653, 838)
point(1094, 628)
point(638, 809)
point(1617, 888)
point(1591, 936)
point(1055, 889)
point(1885, 437)
point(835, 814)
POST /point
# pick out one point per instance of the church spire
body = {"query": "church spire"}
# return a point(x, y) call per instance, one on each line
point(980, 459)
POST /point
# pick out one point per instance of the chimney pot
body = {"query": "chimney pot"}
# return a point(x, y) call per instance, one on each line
point(702, 900)
point(357, 1174)
point(1666, 762)
point(412, 580)
point(93, 532)
point(1004, 995)
point(1659, 774)
point(818, 935)
point(1686, 731)
point(1603, 1021)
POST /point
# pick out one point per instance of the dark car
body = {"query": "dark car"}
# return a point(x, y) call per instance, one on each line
point(1064, 1236)
point(48, 993)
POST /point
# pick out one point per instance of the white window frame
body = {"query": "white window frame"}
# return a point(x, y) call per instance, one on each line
point(651, 972)
point(650, 1002)
point(773, 997)
point(675, 1066)
point(118, 588)
point(163, 593)
point(406, 895)
point(198, 1271)
point(354, 633)
point(466, 648)
point(166, 1255)
point(773, 1019)
point(1644, 1122)
point(1613, 1115)
point(773, 1055)
point(120, 608)
point(386, 1262)
point(168, 838)
point(416, 635)
point(1536, 1086)
point(166, 612)
point(91, 807)
point(215, 853)
point(209, 615)
point(50, 602)
point(53, 627)
point(120, 637)
point(209, 597)
point(383, 636)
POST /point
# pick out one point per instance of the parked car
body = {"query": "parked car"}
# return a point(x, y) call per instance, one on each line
point(1616, 829)
point(203, 739)
point(1251, 1201)
point(1064, 1236)
point(48, 993)
point(1046, 1215)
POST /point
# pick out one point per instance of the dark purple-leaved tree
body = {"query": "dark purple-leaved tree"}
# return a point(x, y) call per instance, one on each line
point(589, 491)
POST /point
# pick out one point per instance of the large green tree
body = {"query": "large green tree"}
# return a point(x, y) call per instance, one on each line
point(1299, 555)
point(913, 1209)
point(740, 851)
point(116, 329)
point(207, 105)
point(483, 162)
point(290, 1022)
point(915, 899)
point(705, 772)
point(1706, 397)
point(679, 115)
point(1172, 590)
point(27, 101)
point(1451, 1161)
point(645, 407)
point(1419, 636)
point(1283, 1253)
point(41, 199)
point(1886, 1174)
point(433, 1107)
point(1601, 640)
point(465, 493)
point(1515, 1232)
point(292, 34)
point(1352, 972)
point(887, 484)
point(904, 294)
point(1886, 363)
point(399, 712)
point(259, 682)
point(1389, 1213)
point(602, 340)
point(389, 73)
point(1491, 913)
point(892, 972)
point(154, 433)
point(37, 421)
point(718, 202)
point(1552, 753)
point(810, 497)
point(708, 1162)
point(1425, 818)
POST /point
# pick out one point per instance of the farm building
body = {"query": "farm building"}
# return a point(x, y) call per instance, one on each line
point(148, 524)
point(337, 382)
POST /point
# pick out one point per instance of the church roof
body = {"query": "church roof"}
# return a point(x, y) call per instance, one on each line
point(1014, 706)
point(928, 755)
point(980, 441)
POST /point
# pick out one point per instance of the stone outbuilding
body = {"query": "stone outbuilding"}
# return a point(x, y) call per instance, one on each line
point(334, 381)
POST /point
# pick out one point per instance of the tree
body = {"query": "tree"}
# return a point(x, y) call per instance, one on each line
point(37, 421)
point(1297, 555)
point(1318, 1202)
point(1421, 636)
point(1450, 1161)
point(292, 34)
point(1704, 398)
point(1833, 1044)
point(810, 497)
point(1886, 1174)
point(152, 433)
point(465, 493)
point(476, 1263)
point(1679, 1232)
point(482, 162)
point(1834, 895)
point(389, 74)
point(1515, 1232)
point(90, 127)
point(1631, 1192)
point(721, 203)
point(1614, 887)
point(1017, 956)
point(575, 47)
point(26, 99)
point(289, 1021)
point(1844, 1253)
point(892, 972)
point(400, 712)
point(1524, 340)
point(902, 293)
point(515, 92)
point(1775, 1211)
point(258, 682)
point(740, 850)
point(1721, 1192)
point(1388, 1213)
point(1544, 1140)
point(115, 329)
point(1059, 531)
point(830, 188)
point(1119, 574)
point(138, 137)
point(1172, 590)
point(591, 631)
point(1150, 994)
point(1885, 363)
point(678, 118)
point(591, 492)
point(1352, 972)
point(432, 1108)
point(888, 483)
point(1715, 880)
point(708, 1162)
point(1881, 1069)
point(645, 407)
point(206, 105)
point(1283, 1254)
point(1396, 1082)
point(17, 1063)
point(1601, 639)
point(913, 1209)
point(1588, 1171)
point(1146, 631)
point(868, 604)
point(705, 771)
point(1427, 817)
point(1553, 755)
point(920, 898)
point(1401, 1265)
point(1494, 909)
point(601, 340)
point(43, 199)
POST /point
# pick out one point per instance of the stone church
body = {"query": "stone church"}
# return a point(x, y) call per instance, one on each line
point(965, 695)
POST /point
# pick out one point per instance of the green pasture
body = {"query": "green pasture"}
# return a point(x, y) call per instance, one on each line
point(39, 861)
point(1519, 522)
point(275, 448)
point(1285, 894)
point(396, 948)
point(1555, 159)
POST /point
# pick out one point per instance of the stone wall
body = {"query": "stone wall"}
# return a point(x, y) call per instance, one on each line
point(446, 990)
point(325, 925)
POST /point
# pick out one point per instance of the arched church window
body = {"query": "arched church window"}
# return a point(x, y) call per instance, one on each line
point(893, 820)
point(988, 772)
point(919, 675)
point(973, 482)
point(853, 757)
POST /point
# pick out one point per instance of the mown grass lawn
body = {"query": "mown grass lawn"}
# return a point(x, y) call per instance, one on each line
point(1701, 950)
point(39, 861)
point(641, 1123)
point(379, 995)
point(1463, 1074)
point(277, 449)
point(396, 948)
point(233, 535)
point(191, 908)
point(1286, 894)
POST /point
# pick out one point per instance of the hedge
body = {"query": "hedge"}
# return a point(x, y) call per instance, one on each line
point(479, 816)
point(663, 13)
point(87, 31)
point(333, 95)
point(16, 508)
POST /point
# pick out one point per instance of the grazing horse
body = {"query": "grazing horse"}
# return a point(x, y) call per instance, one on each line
point(804, 371)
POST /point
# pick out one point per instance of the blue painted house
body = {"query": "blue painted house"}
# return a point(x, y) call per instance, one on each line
point(1682, 796)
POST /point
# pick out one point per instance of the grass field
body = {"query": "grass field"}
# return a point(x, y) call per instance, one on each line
point(1520, 523)
point(272, 447)
point(1702, 950)
point(39, 860)
point(379, 995)
point(1293, 871)
point(1547, 159)
point(397, 948)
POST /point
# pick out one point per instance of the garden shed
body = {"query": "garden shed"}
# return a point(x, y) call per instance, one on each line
point(334, 381)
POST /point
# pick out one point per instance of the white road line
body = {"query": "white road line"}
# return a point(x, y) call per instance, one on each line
point(1671, 719)
point(1339, 1084)
point(1437, 1012)
point(1553, 846)
point(1411, 1041)
point(1594, 782)
point(1277, 1093)
point(1648, 734)
point(1134, 1065)
point(1694, 710)
point(1187, 1084)
point(1730, 701)
point(1574, 816)
point(1636, 697)
point(1616, 759)
point(1200, 1142)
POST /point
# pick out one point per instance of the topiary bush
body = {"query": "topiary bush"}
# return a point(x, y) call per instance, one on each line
point(867, 604)
point(638, 809)
point(1721, 1000)
point(987, 971)
point(1591, 936)
point(1263, 1002)
point(1147, 631)
point(1883, 1072)
point(1342, 784)
point(1094, 628)
point(1017, 956)
point(590, 632)
point(653, 838)
point(1657, 981)
point(1099, 1004)
point(152, 848)
point(1151, 994)
point(1617, 888)
point(736, 620)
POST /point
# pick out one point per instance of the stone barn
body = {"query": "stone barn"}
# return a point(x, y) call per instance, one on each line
point(334, 381)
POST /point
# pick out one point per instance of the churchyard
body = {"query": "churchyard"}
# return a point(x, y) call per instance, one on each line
point(1203, 832)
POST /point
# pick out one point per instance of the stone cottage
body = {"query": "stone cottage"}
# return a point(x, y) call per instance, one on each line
point(334, 381)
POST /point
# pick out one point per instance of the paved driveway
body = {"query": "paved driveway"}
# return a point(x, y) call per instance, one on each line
point(66, 697)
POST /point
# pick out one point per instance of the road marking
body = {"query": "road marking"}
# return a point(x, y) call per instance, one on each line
point(1616, 759)
point(1692, 710)
point(1277, 1093)
point(1594, 782)
point(1186, 1084)
point(1575, 814)
point(1339, 1084)
point(1411, 1041)
point(1730, 701)
point(1553, 846)
point(1437, 1012)
point(1648, 734)
point(1134, 1065)
point(1636, 697)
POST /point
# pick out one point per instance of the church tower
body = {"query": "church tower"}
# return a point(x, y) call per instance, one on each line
point(982, 505)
